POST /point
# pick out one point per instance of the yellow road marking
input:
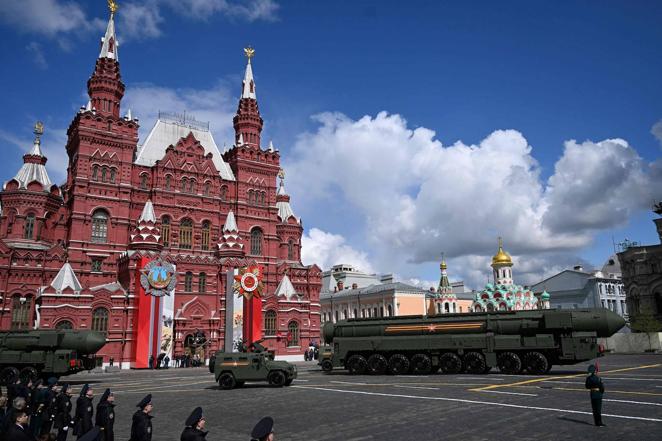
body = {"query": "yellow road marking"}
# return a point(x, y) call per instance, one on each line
point(562, 377)
point(609, 391)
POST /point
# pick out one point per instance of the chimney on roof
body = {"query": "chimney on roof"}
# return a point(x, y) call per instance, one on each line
point(578, 268)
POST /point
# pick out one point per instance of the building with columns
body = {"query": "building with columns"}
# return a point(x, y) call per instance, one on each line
point(69, 253)
point(504, 294)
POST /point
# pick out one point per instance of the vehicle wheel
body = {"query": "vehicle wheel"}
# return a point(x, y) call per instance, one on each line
point(377, 364)
point(549, 368)
point(212, 363)
point(276, 378)
point(536, 363)
point(509, 363)
point(8, 375)
point(474, 363)
point(28, 374)
point(421, 364)
point(227, 381)
point(487, 369)
point(327, 366)
point(398, 364)
point(450, 363)
point(288, 382)
point(357, 365)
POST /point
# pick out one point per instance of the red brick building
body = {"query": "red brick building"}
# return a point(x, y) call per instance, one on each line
point(68, 253)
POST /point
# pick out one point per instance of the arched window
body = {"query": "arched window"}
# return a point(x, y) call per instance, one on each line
point(63, 325)
point(184, 184)
point(95, 173)
point(344, 314)
point(293, 334)
point(202, 283)
point(20, 312)
point(168, 182)
point(336, 315)
point(207, 188)
point(165, 231)
point(290, 249)
point(256, 242)
point(224, 193)
point(447, 308)
point(186, 234)
point(389, 309)
point(188, 281)
point(99, 226)
point(143, 181)
point(356, 313)
point(263, 198)
point(374, 312)
point(270, 322)
point(206, 227)
point(104, 172)
point(28, 228)
point(113, 172)
point(381, 311)
point(191, 185)
point(100, 320)
point(250, 197)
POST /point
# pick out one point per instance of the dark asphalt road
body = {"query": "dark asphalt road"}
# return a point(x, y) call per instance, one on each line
point(338, 406)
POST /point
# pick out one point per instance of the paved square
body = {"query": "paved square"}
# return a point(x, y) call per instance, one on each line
point(338, 406)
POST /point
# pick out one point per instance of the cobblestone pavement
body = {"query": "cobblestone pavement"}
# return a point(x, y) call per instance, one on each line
point(338, 406)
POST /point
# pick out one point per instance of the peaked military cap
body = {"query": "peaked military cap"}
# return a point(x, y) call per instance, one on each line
point(84, 390)
point(92, 435)
point(52, 381)
point(65, 388)
point(38, 382)
point(262, 428)
point(195, 416)
point(591, 369)
point(145, 401)
point(105, 395)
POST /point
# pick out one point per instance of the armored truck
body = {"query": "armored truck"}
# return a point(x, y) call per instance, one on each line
point(513, 341)
point(48, 353)
point(233, 369)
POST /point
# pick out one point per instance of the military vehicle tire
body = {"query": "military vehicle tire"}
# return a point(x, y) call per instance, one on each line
point(549, 368)
point(509, 363)
point(212, 363)
point(377, 364)
point(421, 364)
point(327, 366)
point(474, 363)
point(227, 381)
point(28, 374)
point(536, 362)
point(277, 378)
point(398, 364)
point(450, 363)
point(357, 365)
point(487, 370)
point(8, 375)
point(288, 382)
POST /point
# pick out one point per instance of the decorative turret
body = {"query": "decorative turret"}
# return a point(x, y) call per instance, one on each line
point(285, 211)
point(105, 86)
point(501, 265)
point(445, 299)
point(146, 235)
point(34, 164)
point(248, 122)
point(543, 302)
point(230, 243)
point(285, 288)
point(66, 281)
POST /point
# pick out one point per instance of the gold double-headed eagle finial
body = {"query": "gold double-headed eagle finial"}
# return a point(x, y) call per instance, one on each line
point(281, 173)
point(249, 52)
point(38, 131)
point(112, 5)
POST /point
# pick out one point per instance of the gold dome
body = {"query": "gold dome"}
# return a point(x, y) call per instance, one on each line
point(443, 266)
point(501, 257)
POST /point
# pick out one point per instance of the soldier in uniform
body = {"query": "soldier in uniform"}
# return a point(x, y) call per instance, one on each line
point(594, 384)
point(84, 412)
point(62, 419)
point(141, 426)
point(195, 425)
point(263, 430)
point(38, 399)
point(50, 405)
point(106, 416)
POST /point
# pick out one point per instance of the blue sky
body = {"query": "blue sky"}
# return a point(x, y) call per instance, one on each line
point(481, 99)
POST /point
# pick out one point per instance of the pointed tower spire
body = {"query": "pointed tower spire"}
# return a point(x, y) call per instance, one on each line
point(146, 235)
point(230, 244)
point(248, 122)
point(285, 211)
point(285, 288)
point(105, 86)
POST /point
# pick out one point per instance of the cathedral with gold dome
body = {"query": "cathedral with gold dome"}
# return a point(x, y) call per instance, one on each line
point(504, 294)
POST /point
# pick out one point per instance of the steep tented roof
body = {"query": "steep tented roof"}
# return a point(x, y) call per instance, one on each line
point(168, 130)
point(285, 288)
point(66, 278)
point(34, 168)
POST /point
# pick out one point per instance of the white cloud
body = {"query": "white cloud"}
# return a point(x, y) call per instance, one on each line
point(327, 249)
point(656, 130)
point(47, 17)
point(418, 198)
point(139, 20)
point(37, 54)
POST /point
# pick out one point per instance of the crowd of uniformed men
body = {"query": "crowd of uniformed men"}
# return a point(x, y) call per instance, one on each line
point(43, 412)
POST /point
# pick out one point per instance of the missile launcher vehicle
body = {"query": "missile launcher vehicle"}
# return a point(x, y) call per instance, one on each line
point(513, 341)
point(47, 353)
point(233, 369)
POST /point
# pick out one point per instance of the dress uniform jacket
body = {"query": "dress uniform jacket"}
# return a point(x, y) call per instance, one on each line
point(105, 420)
point(84, 413)
point(193, 434)
point(141, 427)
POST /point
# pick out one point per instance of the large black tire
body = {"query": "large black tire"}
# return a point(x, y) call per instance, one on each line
point(8, 376)
point(398, 364)
point(227, 381)
point(212, 363)
point(450, 363)
point(357, 365)
point(509, 363)
point(474, 363)
point(536, 363)
point(327, 365)
point(421, 364)
point(28, 374)
point(377, 364)
point(277, 378)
